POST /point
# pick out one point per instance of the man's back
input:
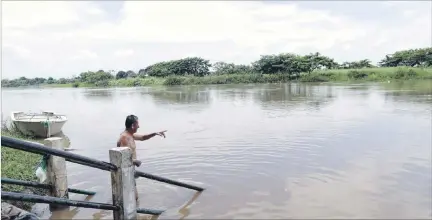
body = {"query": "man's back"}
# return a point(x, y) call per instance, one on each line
point(127, 140)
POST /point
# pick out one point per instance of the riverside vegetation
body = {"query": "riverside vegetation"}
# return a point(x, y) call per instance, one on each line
point(20, 165)
point(401, 65)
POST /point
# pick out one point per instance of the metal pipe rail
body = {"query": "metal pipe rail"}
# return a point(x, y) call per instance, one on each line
point(169, 181)
point(42, 186)
point(60, 201)
point(149, 211)
point(54, 200)
point(86, 161)
point(41, 149)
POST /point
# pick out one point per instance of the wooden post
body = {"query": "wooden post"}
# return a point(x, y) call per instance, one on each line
point(123, 183)
point(56, 173)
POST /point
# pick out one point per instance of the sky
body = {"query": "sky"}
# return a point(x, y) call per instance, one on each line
point(65, 38)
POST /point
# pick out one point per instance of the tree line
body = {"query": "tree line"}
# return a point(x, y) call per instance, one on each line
point(285, 63)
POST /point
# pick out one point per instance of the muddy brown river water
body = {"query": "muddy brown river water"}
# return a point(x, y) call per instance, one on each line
point(325, 150)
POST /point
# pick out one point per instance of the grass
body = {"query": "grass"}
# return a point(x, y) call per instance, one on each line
point(337, 75)
point(370, 74)
point(68, 85)
point(132, 82)
point(20, 165)
point(340, 75)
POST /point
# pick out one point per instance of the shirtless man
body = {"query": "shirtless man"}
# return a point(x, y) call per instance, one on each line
point(128, 137)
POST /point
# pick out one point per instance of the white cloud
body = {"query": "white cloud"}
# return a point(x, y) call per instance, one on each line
point(124, 53)
point(28, 14)
point(84, 55)
point(20, 51)
point(65, 33)
point(95, 11)
point(248, 24)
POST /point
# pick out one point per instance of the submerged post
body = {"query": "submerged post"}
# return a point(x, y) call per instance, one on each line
point(56, 173)
point(123, 183)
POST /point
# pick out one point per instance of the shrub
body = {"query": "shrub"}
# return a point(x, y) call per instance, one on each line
point(103, 83)
point(173, 80)
point(314, 78)
point(355, 74)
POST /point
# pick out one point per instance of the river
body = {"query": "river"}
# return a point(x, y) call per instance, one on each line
point(329, 150)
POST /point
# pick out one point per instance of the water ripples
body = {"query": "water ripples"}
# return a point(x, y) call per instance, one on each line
point(263, 151)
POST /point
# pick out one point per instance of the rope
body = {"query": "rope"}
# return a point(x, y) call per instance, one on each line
point(46, 124)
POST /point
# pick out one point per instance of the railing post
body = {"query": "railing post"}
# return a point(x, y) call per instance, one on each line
point(56, 173)
point(123, 183)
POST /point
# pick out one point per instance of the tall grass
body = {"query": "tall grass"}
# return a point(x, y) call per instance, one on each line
point(227, 79)
point(135, 82)
point(68, 85)
point(367, 74)
point(371, 74)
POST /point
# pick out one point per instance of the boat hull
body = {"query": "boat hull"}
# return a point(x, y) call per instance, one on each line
point(38, 129)
point(44, 125)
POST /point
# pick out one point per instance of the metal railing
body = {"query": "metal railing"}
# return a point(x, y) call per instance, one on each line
point(120, 206)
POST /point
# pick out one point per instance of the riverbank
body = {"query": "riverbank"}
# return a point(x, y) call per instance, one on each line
point(20, 165)
point(334, 75)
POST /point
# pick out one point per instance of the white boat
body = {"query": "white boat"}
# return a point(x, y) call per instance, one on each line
point(45, 124)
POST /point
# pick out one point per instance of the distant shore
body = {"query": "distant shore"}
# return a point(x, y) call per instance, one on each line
point(336, 75)
point(274, 68)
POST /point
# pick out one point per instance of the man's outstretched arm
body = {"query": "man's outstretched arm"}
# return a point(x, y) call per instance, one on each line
point(143, 137)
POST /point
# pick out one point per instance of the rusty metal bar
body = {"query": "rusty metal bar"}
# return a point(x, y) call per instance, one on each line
point(41, 149)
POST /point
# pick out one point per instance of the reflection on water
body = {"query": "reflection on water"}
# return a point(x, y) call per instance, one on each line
point(325, 150)
point(97, 93)
point(179, 95)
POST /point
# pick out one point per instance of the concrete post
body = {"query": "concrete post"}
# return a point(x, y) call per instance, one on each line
point(56, 173)
point(123, 183)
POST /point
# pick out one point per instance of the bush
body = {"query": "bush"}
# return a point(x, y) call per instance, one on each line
point(405, 73)
point(20, 165)
point(412, 73)
point(355, 74)
point(136, 83)
point(328, 74)
point(103, 83)
point(173, 80)
point(400, 73)
point(314, 78)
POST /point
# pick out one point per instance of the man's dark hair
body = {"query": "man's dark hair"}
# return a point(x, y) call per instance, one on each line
point(130, 119)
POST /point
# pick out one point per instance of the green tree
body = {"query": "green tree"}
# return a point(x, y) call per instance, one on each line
point(411, 57)
point(131, 74)
point(317, 61)
point(93, 77)
point(121, 75)
point(188, 66)
point(50, 80)
point(287, 63)
point(62, 81)
point(221, 68)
